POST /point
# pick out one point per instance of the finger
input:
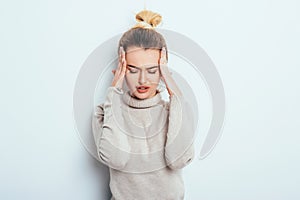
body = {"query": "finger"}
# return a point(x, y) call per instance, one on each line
point(124, 67)
point(163, 69)
point(163, 56)
point(163, 53)
point(120, 53)
point(163, 62)
point(120, 59)
point(123, 61)
point(120, 65)
point(117, 70)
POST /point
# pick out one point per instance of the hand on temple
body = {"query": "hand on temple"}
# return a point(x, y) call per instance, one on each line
point(166, 75)
point(121, 70)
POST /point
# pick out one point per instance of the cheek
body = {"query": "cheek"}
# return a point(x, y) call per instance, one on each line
point(131, 80)
point(131, 77)
point(154, 78)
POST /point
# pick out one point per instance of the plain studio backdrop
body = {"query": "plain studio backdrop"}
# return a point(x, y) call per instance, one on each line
point(255, 46)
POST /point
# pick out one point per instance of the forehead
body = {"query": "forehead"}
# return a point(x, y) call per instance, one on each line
point(138, 56)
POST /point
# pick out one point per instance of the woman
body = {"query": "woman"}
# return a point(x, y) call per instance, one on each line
point(144, 140)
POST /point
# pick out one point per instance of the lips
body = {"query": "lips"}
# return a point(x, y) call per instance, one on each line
point(143, 87)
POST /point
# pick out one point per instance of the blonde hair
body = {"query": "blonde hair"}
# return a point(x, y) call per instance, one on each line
point(147, 19)
point(143, 33)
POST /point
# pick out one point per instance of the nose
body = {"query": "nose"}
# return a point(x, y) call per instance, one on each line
point(142, 78)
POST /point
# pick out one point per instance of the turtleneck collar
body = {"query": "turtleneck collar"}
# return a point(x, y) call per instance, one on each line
point(141, 103)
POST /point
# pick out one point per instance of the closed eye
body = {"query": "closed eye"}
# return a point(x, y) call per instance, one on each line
point(152, 71)
point(133, 71)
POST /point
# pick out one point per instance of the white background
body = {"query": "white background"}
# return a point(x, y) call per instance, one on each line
point(254, 44)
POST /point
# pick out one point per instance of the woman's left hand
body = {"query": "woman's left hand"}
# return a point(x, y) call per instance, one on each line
point(166, 74)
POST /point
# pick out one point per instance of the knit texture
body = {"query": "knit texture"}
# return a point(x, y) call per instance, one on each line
point(145, 143)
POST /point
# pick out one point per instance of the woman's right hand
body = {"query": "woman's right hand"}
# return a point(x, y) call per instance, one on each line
point(121, 70)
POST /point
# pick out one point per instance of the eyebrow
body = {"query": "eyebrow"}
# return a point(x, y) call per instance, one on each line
point(139, 68)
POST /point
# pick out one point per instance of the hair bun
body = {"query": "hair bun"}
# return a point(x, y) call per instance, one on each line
point(147, 19)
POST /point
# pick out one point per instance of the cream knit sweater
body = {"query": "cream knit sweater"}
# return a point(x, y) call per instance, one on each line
point(145, 144)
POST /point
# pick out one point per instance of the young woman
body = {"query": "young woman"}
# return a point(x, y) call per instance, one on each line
point(144, 140)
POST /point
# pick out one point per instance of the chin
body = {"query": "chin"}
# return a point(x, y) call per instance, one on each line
point(141, 96)
point(145, 95)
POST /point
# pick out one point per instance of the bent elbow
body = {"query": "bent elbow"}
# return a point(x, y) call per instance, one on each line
point(113, 158)
point(183, 160)
point(179, 164)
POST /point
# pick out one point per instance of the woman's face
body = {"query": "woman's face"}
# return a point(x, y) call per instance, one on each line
point(143, 73)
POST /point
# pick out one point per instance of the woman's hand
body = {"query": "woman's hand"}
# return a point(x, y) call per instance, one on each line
point(166, 75)
point(120, 72)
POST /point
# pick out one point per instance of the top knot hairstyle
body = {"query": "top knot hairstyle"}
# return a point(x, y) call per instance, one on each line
point(143, 34)
point(147, 19)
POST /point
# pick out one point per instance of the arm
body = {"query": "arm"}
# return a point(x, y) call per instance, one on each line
point(179, 148)
point(109, 139)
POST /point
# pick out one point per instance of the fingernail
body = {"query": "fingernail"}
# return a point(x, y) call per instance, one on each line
point(122, 49)
point(163, 49)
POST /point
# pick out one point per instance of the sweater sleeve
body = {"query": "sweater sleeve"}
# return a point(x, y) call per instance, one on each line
point(179, 148)
point(107, 136)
